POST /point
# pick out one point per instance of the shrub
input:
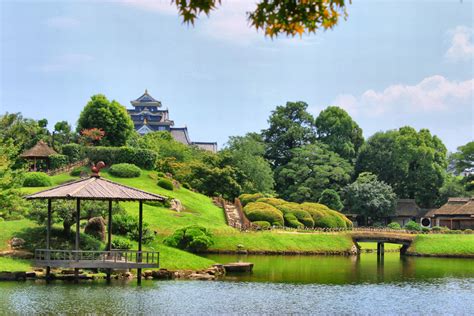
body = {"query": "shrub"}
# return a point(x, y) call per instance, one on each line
point(331, 199)
point(193, 238)
point(292, 221)
point(259, 211)
point(301, 215)
point(143, 158)
point(121, 243)
point(127, 225)
point(37, 179)
point(272, 201)
point(58, 161)
point(324, 217)
point(187, 186)
point(468, 231)
point(125, 170)
point(247, 198)
point(438, 228)
point(262, 225)
point(165, 184)
point(413, 226)
point(76, 172)
point(74, 152)
point(425, 229)
point(160, 174)
point(394, 225)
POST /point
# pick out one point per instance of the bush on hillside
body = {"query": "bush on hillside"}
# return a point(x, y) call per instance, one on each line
point(301, 215)
point(272, 201)
point(58, 161)
point(74, 152)
point(394, 225)
point(247, 198)
point(127, 225)
point(193, 238)
point(413, 226)
point(187, 186)
point(125, 170)
point(331, 199)
point(165, 184)
point(292, 221)
point(324, 217)
point(143, 158)
point(37, 179)
point(121, 243)
point(259, 211)
point(262, 225)
point(76, 172)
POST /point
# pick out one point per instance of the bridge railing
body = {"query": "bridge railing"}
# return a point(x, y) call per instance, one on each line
point(131, 256)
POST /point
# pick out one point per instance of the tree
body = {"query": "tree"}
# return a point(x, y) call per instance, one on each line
point(62, 133)
point(109, 116)
point(370, 197)
point(246, 153)
point(453, 187)
point(412, 163)
point(276, 17)
point(291, 126)
point(331, 199)
point(464, 158)
point(312, 169)
point(336, 129)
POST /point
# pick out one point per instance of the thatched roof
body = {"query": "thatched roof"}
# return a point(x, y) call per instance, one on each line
point(96, 188)
point(40, 150)
point(407, 207)
point(455, 206)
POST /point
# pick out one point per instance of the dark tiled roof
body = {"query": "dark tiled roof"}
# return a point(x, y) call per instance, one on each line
point(40, 150)
point(181, 135)
point(211, 146)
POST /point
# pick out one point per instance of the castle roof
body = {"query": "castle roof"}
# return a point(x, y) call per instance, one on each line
point(146, 99)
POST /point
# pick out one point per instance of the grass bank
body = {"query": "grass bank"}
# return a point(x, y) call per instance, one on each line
point(443, 245)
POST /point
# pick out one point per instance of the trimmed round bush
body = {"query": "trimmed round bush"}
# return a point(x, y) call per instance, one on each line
point(468, 231)
point(413, 226)
point(121, 243)
point(37, 179)
point(394, 225)
point(324, 217)
point(125, 170)
point(301, 215)
point(259, 211)
point(193, 238)
point(292, 221)
point(247, 198)
point(262, 225)
point(272, 201)
point(165, 184)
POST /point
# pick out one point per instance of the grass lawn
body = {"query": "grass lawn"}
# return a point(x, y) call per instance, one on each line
point(10, 264)
point(9, 228)
point(443, 244)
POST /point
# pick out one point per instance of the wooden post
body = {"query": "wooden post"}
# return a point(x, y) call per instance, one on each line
point(109, 237)
point(140, 235)
point(78, 229)
point(48, 240)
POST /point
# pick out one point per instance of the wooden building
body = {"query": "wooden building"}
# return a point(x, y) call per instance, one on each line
point(457, 213)
point(41, 151)
point(405, 211)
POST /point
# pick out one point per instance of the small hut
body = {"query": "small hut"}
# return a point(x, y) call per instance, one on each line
point(40, 151)
point(96, 188)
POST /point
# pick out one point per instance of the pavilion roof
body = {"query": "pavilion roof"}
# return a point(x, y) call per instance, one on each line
point(455, 206)
point(40, 150)
point(96, 188)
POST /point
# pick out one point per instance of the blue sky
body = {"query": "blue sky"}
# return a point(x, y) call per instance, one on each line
point(390, 64)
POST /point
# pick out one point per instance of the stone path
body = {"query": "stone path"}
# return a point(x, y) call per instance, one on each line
point(232, 215)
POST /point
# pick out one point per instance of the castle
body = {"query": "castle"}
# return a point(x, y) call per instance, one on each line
point(148, 116)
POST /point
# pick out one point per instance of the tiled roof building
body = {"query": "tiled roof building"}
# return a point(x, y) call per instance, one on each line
point(148, 116)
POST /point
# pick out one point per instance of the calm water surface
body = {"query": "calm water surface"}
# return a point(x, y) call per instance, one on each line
point(278, 285)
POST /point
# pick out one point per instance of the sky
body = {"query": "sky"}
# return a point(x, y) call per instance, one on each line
point(389, 64)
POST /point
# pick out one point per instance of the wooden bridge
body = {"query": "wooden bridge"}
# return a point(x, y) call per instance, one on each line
point(383, 236)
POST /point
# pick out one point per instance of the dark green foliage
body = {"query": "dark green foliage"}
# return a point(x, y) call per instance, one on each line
point(77, 171)
point(336, 129)
point(413, 226)
point(331, 199)
point(121, 243)
point(464, 157)
point(143, 158)
point(272, 201)
point(74, 152)
point(324, 217)
point(301, 215)
point(292, 221)
point(160, 174)
point(165, 184)
point(247, 198)
point(259, 211)
point(394, 225)
point(125, 170)
point(452, 187)
point(58, 161)
point(312, 169)
point(193, 238)
point(36, 179)
point(262, 225)
point(109, 116)
point(187, 186)
point(127, 225)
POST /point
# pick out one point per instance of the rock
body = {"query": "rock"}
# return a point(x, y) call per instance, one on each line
point(176, 205)
point(162, 274)
point(31, 275)
point(12, 276)
point(176, 184)
point(354, 250)
point(96, 227)
point(128, 275)
point(238, 267)
point(203, 277)
point(17, 243)
point(147, 273)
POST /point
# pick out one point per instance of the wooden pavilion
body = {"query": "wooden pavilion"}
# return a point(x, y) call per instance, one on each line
point(40, 151)
point(96, 188)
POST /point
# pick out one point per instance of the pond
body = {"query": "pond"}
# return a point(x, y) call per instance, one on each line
point(278, 284)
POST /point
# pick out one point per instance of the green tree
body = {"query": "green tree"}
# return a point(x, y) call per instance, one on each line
point(276, 17)
point(412, 163)
point(369, 197)
point(464, 158)
point(109, 116)
point(312, 169)
point(246, 153)
point(62, 133)
point(290, 127)
point(331, 199)
point(453, 187)
point(337, 129)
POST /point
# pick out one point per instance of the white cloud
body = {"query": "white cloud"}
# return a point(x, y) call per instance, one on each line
point(462, 47)
point(66, 62)
point(435, 93)
point(62, 22)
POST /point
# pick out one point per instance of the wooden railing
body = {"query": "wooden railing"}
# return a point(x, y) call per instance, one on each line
point(117, 256)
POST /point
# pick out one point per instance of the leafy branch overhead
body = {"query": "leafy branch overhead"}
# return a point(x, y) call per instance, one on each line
point(276, 17)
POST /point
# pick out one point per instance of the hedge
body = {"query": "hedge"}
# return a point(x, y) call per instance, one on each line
point(194, 238)
point(259, 211)
point(165, 184)
point(263, 225)
point(125, 170)
point(74, 152)
point(301, 215)
point(37, 179)
point(143, 158)
point(292, 221)
point(247, 198)
point(272, 201)
point(324, 217)
point(58, 161)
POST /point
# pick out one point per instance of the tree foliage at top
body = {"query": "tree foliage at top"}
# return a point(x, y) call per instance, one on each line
point(336, 129)
point(110, 116)
point(412, 163)
point(464, 157)
point(276, 17)
point(291, 126)
point(312, 169)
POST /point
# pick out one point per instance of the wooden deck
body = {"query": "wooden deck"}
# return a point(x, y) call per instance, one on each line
point(83, 259)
